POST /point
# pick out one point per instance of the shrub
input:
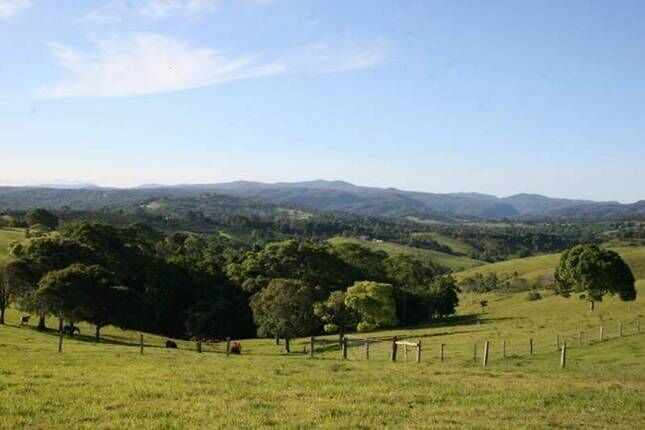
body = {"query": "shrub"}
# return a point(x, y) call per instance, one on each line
point(364, 326)
point(533, 296)
point(330, 328)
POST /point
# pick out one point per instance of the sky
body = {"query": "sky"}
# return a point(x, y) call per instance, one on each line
point(499, 97)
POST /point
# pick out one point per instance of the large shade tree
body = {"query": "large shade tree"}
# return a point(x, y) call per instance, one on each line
point(595, 272)
point(374, 302)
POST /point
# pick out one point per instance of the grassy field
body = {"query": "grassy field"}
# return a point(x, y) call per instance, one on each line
point(110, 385)
point(531, 268)
point(455, 244)
point(8, 235)
point(453, 262)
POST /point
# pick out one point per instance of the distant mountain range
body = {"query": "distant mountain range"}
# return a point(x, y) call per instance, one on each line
point(330, 196)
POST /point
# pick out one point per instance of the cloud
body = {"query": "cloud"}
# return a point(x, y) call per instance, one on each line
point(9, 8)
point(147, 63)
point(118, 10)
point(337, 56)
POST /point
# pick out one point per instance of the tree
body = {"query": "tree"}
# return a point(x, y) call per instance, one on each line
point(43, 217)
point(335, 314)
point(410, 278)
point(444, 294)
point(5, 292)
point(374, 302)
point(595, 272)
point(86, 293)
point(284, 307)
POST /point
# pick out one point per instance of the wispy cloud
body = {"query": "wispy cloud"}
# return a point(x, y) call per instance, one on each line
point(117, 10)
point(9, 8)
point(337, 56)
point(147, 63)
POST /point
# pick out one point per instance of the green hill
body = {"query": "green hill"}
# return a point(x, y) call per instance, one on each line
point(531, 268)
point(453, 262)
point(111, 385)
point(455, 244)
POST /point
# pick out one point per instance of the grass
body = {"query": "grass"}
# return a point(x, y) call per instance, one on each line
point(453, 262)
point(456, 245)
point(531, 268)
point(110, 385)
point(8, 235)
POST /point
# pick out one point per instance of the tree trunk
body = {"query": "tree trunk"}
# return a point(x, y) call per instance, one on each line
point(277, 339)
point(2, 308)
point(591, 305)
point(287, 347)
point(41, 323)
point(60, 325)
point(98, 333)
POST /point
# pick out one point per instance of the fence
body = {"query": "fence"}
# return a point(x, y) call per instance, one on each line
point(457, 350)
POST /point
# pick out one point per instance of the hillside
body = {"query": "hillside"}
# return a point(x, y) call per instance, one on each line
point(531, 268)
point(453, 262)
point(8, 235)
point(113, 386)
point(328, 196)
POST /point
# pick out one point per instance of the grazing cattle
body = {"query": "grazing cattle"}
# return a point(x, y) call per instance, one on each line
point(171, 344)
point(24, 320)
point(71, 330)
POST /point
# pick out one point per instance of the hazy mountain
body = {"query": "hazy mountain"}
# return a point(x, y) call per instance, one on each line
point(325, 196)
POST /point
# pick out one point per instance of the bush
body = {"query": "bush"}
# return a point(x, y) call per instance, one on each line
point(330, 328)
point(364, 326)
point(533, 296)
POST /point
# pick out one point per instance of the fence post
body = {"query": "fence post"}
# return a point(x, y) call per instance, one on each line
point(393, 352)
point(344, 348)
point(441, 352)
point(311, 346)
point(418, 351)
point(620, 328)
point(530, 346)
point(198, 346)
point(563, 355)
point(602, 332)
point(503, 349)
point(228, 346)
point(141, 344)
point(367, 349)
point(485, 353)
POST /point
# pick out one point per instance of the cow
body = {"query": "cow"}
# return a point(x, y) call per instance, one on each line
point(71, 330)
point(171, 344)
point(24, 320)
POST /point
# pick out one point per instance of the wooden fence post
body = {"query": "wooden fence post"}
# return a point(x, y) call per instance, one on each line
point(620, 328)
point(393, 352)
point(441, 352)
point(367, 349)
point(311, 347)
point(602, 332)
point(228, 346)
point(418, 351)
point(344, 349)
point(485, 354)
point(563, 355)
point(198, 346)
point(141, 344)
point(530, 346)
point(503, 349)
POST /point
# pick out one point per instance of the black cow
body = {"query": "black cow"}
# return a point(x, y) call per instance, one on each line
point(71, 330)
point(171, 344)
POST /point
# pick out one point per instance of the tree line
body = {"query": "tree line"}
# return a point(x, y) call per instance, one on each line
point(189, 285)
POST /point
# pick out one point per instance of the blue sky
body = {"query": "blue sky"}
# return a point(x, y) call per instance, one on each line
point(492, 96)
